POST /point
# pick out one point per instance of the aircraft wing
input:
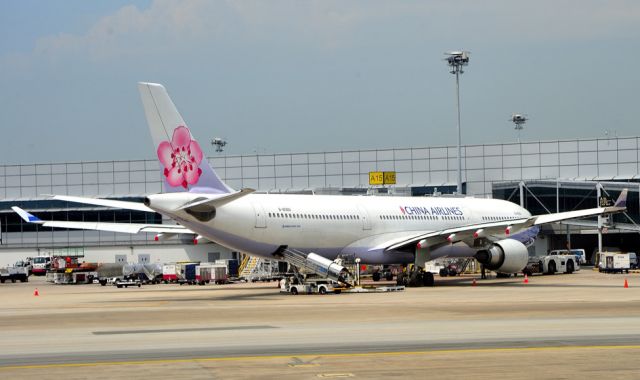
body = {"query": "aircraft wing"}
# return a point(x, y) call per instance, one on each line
point(502, 229)
point(131, 228)
point(104, 202)
point(489, 230)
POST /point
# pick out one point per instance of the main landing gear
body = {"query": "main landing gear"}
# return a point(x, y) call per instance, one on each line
point(414, 276)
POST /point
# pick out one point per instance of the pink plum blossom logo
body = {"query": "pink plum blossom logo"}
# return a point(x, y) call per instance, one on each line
point(181, 158)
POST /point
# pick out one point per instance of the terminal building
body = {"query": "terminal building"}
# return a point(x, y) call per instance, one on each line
point(545, 176)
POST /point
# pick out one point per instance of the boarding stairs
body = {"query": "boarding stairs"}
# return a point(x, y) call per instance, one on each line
point(248, 265)
point(257, 269)
point(468, 266)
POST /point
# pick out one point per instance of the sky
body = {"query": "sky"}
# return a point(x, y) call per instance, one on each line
point(298, 76)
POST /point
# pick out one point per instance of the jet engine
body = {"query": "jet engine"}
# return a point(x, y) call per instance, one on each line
point(504, 256)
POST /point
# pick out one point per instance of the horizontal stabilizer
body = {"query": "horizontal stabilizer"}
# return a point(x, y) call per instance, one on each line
point(130, 228)
point(29, 218)
point(104, 202)
point(210, 203)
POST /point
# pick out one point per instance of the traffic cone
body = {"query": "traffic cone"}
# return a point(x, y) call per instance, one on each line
point(36, 293)
point(626, 284)
point(474, 282)
point(526, 279)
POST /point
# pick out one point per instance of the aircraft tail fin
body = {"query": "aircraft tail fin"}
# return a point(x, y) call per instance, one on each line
point(183, 163)
point(622, 199)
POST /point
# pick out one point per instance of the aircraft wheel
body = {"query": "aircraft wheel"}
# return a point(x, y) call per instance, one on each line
point(415, 279)
point(570, 267)
point(427, 279)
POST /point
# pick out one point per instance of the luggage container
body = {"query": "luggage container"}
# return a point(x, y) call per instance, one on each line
point(146, 273)
point(219, 274)
point(210, 272)
point(203, 274)
point(186, 273)
point(169, 273)
point(232, 266)
point(614, 262)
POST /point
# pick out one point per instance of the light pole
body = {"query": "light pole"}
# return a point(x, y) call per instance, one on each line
point(219, 144)
point(456, 61)
point(519, 120)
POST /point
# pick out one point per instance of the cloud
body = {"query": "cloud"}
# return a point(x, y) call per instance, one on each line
point(194, 25)
point(186, 25)
point(131, 30)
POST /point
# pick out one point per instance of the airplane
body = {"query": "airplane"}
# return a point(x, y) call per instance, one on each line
point(317, 229)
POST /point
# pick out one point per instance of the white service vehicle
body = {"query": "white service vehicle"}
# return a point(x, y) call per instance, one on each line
point(562, 262)
point(613, 262)
point(120, 282)
point(14, 274)
point(633, 260)
point(40, 265)
point(580, 254)
point(24, 264)
point(318, 286)
point(554, 262)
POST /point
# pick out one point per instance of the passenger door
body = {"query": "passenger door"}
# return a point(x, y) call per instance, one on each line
point(261, 220)
point(364, 216)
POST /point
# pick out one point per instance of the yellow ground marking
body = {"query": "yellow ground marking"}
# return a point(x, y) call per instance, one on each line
point(316, 355)
point(133, 304)
point(334, 375)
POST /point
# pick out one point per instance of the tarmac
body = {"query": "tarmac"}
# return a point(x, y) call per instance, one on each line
point(565, 326)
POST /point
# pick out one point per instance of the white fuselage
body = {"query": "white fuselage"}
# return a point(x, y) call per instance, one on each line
point(258, 224)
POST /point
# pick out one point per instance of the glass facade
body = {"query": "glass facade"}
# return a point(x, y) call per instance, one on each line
point(542, 197)
point(419, 171)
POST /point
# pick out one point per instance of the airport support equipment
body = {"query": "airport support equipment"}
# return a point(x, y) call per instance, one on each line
point(552, 264)
point(126, 282)
point(145, 272)
point(14, 274)
point(613, 262)
point(210, 272)
point(41, 264)
point(294, 286)
point(415, 276)
point(316, 264)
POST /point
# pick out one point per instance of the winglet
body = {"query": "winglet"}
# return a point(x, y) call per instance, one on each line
point(26, 216)
point(622, 199)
